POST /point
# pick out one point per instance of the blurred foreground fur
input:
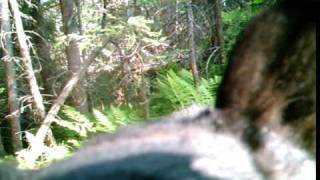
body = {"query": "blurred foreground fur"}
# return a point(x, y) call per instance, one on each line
point(263, 127)
point(190, 144)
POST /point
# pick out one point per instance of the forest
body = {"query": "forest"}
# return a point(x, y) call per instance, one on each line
point(72, 69)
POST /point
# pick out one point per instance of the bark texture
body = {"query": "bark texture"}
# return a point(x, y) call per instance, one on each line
point(218, 40)
point(43, 27)
point(192, 51)
point(37, 101)
point(14, 110)
point(2, 151)
point(79, 94)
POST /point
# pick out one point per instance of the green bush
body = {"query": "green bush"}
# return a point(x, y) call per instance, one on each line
point(176, 90)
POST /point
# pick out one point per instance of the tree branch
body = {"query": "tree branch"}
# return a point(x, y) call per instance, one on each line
point(35, 146)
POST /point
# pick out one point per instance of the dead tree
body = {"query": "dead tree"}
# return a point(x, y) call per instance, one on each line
point(192, 51)
point(14, 110)
point(37, 100)
point(37, 144)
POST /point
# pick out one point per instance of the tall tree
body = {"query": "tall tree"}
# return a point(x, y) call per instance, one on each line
point(2, 151)
point(104, 14)
point(14, 111)
point(37, 100)
point(218, 40)
point(192, 51)
point(69, 18)
point(43, 27)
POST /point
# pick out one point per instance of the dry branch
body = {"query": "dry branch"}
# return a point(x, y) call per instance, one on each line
point(35, 146)
point(37, 102)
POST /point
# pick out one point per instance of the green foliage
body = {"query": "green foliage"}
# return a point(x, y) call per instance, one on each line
point(103, 123)
point(257, 1)
point(123, 115)
point(2, 90)
point(175, 90)
point(3, 94)
point(234, 21)
point(258, 5)
point(72, 126)
point(8, 158)
point(216, 71)
point(115, 117)
point(150, 3)
point(134, 45)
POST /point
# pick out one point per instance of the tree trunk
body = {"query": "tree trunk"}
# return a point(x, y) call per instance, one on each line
point(177, 26)
point(43, 48)
point(218, 33)
point(37, 102)
point(14, 111)
point(2, 151)
point(35, 147)
point(26, 62)
point(79, 94)
point(104, 16)
point(143, 96)
point(78, 7)
point(192, 53)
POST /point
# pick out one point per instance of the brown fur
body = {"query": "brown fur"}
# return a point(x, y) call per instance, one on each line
point(270, 80)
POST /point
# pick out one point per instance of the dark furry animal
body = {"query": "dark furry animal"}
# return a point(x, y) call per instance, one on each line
point(270, 84)
point(271, 79)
